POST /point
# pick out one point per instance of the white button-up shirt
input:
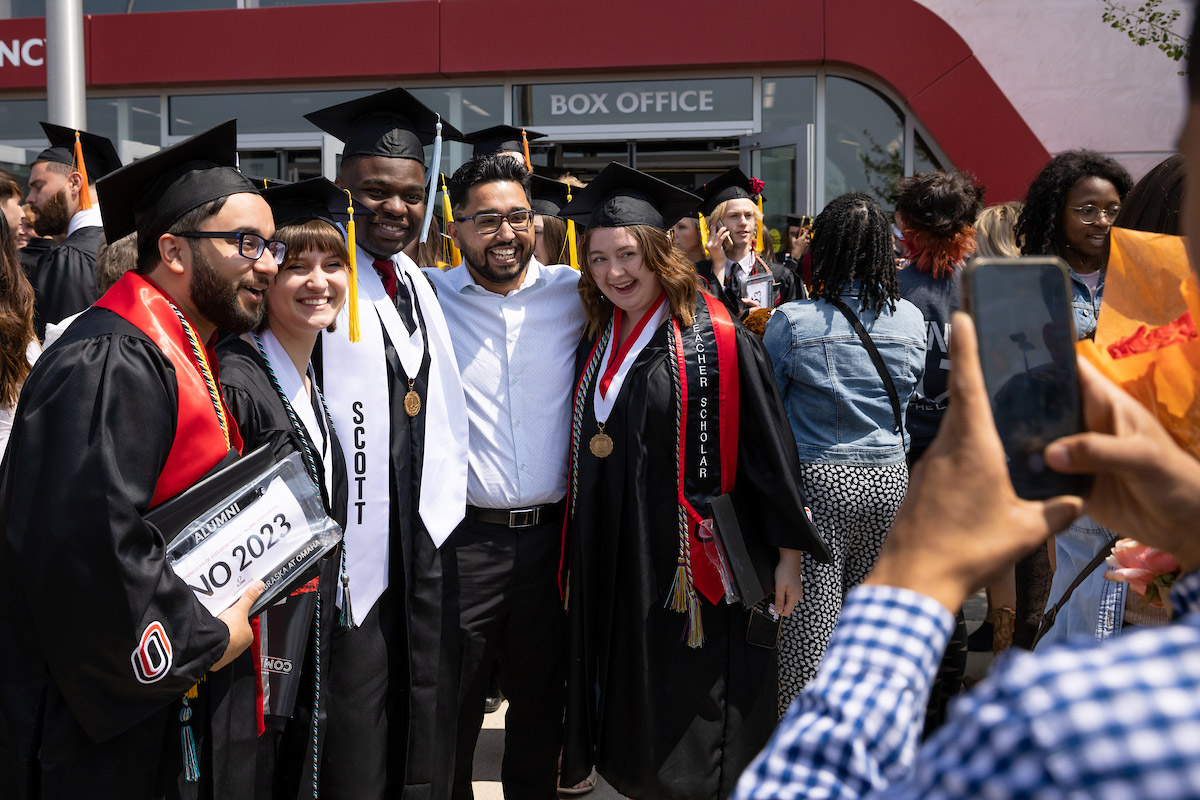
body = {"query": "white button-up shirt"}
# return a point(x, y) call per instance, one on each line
point(516, 355)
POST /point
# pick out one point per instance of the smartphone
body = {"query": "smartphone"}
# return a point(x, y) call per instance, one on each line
point(762, 625)
point(1026, 331)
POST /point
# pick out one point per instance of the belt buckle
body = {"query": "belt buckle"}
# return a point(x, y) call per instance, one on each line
point(523, 517)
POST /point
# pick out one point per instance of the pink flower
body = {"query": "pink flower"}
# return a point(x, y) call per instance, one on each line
point(1142, 567)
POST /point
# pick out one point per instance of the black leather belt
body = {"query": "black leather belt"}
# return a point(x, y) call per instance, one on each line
point(517, 517)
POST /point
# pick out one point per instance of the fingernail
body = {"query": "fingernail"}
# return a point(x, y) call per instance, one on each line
point(1056, 456)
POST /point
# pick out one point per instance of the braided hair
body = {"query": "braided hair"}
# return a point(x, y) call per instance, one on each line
point(1038, 228)
point(852, 240)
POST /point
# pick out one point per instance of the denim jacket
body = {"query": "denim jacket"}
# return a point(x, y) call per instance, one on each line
point(1096, 609)
point(1085, 305)
point(835, 400)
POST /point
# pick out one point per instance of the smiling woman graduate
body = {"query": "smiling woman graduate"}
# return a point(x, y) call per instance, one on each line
point(674, 407)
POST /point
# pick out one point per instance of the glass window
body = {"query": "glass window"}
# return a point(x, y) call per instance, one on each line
point(133, 118)
point(776, 167)
point(630, 102)
point(864, 141)
point(468, 108)
point(923, 158)
point(788, 102)
point(290, 165)
point(21, 118)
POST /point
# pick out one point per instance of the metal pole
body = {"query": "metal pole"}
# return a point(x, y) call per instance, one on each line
point(66, 90)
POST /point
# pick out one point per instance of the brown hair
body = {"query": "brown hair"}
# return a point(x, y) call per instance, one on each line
point(300, 237)
point(16, 320)
point(9, 187)
point(114, 260)
point(674, 271)
point(554, 238)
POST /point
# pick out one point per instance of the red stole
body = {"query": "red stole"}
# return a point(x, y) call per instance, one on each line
point(199, 444)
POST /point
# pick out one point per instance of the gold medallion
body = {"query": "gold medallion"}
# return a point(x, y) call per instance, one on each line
point(601, 444)
point(412, 401)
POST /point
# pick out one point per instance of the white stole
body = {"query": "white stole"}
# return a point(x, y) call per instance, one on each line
point(356, 387)
point(603, 404)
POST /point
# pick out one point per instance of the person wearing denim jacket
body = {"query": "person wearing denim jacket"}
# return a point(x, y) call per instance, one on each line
point(1085, 304)
point(852, 464)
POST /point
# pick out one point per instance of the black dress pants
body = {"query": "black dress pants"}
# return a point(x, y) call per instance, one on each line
point(511, 616)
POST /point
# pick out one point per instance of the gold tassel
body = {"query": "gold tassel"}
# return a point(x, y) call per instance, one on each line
point(695, 626)
point(352, 247)
point(85, 197)
point(703, 234)
point(525, 147)
point(679, 590)
point(572, 241)
point(758, 237)
point(454, 257)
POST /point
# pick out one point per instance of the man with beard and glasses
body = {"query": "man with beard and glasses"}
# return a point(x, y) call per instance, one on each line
point(395, 398)
point(64, 281)
point(115, 681)
point(515, 325)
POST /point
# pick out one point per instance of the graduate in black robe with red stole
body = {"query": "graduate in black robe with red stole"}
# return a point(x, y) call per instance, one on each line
point(665, 704)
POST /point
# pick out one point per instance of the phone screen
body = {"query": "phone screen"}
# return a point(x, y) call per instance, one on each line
point(1023, 319)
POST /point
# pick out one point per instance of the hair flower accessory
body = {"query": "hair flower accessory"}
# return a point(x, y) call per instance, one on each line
point(757, 186)
point(1143, 568)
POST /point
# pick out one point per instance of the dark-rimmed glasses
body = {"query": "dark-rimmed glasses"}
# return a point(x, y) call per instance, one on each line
point(250, 245)
point(1089, 214)
point(490, 222)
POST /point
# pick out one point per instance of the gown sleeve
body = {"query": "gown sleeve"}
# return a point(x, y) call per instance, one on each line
point(768, 496)
point(94, 426)
point(64, 283)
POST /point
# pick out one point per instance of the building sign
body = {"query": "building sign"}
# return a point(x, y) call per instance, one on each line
point(29, 53)
point(23, 54)
point(634, 102)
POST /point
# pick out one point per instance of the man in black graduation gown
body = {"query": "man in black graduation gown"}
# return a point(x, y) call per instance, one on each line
point(396, 402)
point(101, 640)
point(64, 281)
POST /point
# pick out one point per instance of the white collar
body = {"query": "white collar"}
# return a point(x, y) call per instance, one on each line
point(85, 218)
point(462, 278)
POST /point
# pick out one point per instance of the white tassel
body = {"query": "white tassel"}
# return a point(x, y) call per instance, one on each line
point(431, 191)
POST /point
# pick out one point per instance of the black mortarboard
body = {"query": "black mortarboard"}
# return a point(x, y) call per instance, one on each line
point(798, 220)
point(99, 155)
point(499, 139)
point(393, 124)
point(315, 198)
point(547, 197)
point(621, 196)
point(730, 185)
point(151, 194)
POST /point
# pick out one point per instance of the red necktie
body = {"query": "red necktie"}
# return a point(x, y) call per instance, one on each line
point(387, 274)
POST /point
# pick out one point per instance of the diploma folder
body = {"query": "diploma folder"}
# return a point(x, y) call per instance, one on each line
point(751, 573)
point(255, 519)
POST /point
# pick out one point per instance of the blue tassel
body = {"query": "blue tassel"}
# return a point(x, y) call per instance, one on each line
point(191, 763)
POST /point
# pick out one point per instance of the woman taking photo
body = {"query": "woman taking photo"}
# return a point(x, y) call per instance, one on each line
point(668, 696)
point(272, 392)
point(846, 363)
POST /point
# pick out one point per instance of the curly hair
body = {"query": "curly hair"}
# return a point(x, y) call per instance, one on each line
point(1039, 228)
point(936, 212)
point(852, 240)
point(674, 271)
point(16, 320)
point(1154, 203)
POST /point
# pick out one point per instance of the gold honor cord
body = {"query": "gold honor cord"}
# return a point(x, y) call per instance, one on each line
point(205, 372)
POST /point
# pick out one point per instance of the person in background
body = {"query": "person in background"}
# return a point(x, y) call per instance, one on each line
point(112, 261)
point(18, 345)
point(671, 690)
point(34, 245)
point(1155, 203)
point(547, 198)
point(686, 235)
point(995, 231)
point(796, 239)
point(847, 417)
point(1069, 209)
point(10, 204)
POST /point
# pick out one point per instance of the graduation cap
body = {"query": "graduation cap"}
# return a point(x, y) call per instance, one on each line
point(732, 185)
point(392, 124)
point(90, 155)
point(798, 220)
point(149, 195)
point(547, 197)
point(503, 138)
point(621, 196)
point(321, 198)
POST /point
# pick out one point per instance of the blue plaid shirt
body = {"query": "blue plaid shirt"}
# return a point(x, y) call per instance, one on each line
point(1114, 719)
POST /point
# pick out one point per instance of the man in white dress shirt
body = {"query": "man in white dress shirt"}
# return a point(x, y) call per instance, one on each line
point(515, 325)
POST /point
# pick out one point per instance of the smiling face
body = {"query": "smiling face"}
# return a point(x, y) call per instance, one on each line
point(307, 294)
point(1087, 243)
point(740, 220)
point(496, 260)
point(615, 261)
point(394, 189)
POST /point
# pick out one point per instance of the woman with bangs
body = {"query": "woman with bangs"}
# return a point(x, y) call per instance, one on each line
point(671, 690)
point(271, 389)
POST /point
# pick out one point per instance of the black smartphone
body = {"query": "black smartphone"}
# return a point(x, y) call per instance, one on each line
point(1022, 312)
point(762, 625)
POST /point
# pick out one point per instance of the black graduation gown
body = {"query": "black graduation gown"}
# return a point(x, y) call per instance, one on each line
point(82, 576)
point(64, 282)
point(32, 253)
point(787, 287)
point(422, 603)
point(285, 758)
point(666, 720)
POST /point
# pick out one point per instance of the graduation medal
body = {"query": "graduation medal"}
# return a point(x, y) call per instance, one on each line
point(412, 401)
point(601, 444)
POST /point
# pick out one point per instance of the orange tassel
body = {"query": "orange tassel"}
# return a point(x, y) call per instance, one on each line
point(85, 197)
point(525, 147)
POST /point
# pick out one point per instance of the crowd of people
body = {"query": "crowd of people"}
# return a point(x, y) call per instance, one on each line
point(703, 505)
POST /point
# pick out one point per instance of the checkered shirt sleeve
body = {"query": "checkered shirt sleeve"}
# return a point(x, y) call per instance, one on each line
point(1097, 720)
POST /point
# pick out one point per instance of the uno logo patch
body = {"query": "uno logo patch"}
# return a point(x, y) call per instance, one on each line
point(152, 658)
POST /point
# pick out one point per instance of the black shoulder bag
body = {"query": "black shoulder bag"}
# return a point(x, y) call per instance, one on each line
point(876, 359)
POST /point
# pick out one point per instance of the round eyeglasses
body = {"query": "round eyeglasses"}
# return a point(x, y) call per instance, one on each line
point(1089, 214)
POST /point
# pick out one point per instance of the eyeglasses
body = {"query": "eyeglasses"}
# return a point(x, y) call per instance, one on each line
point(250, 245)
point(490, 222)
point(1089, 214)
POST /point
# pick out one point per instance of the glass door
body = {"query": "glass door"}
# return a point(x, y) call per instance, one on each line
point(783, 160)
